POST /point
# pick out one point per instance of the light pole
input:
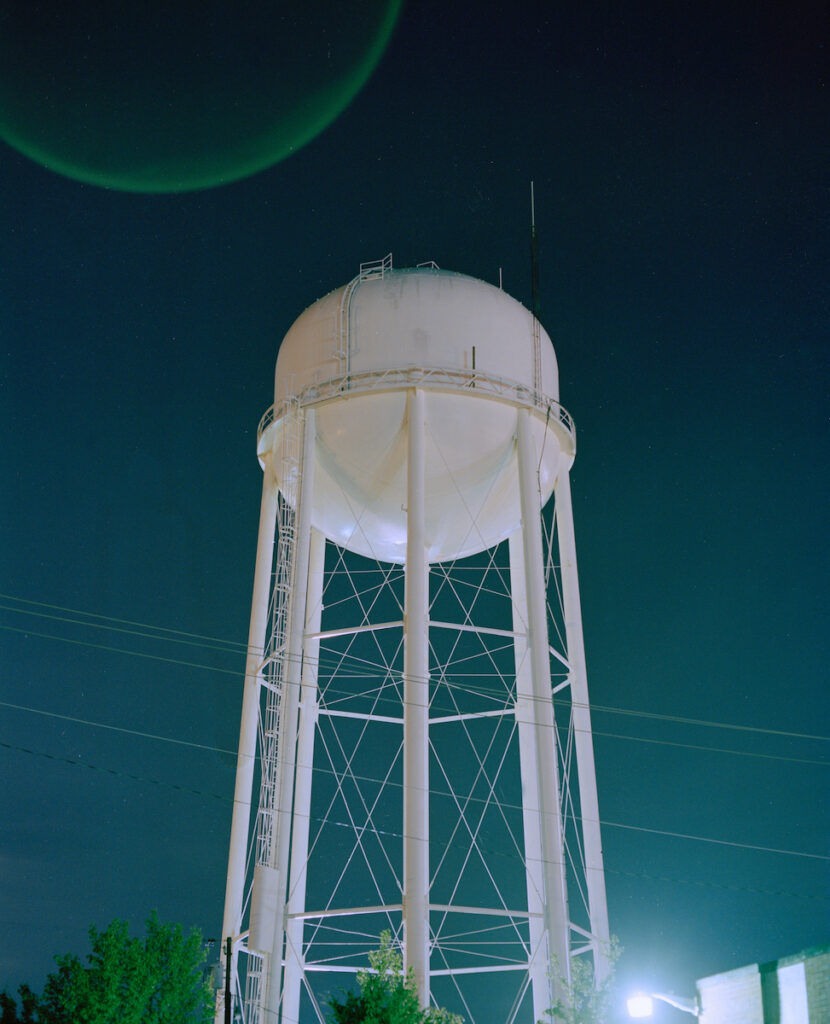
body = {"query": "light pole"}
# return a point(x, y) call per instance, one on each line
point(642, 1004)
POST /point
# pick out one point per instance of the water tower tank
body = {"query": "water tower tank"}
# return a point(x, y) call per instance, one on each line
point(479, 356)
point(416, 421)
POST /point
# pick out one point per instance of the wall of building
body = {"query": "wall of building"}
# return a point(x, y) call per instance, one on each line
point(817, 969)
point(794, 990)
point(732, 998)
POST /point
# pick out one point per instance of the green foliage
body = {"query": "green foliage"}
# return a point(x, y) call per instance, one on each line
point(8, 1009)
point(28, 1007)
point(585, 1002)
point(387, 995)
point(159, 980)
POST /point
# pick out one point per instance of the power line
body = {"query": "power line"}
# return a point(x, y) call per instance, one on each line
point(709, 725)
point(120, 650)
point(219, 645)
point(123, 622)
point(114, 771)
point(235, 647)
point(118, 728)
point(563, 728)
point(384, 669)
point(710, 750)
point(717, 842)
point(496, 803)
point(399, 835)
point(233, 753)
point(718, 885)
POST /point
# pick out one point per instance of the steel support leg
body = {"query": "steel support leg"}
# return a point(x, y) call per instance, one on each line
point(539, 968)
point(416, 711)
point(302, 784)
point(555, 900)
point(583, 740)
point(289, 707)
point(246, 757)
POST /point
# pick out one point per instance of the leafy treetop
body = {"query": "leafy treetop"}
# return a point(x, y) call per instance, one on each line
point(160, 980)
point(387, 995)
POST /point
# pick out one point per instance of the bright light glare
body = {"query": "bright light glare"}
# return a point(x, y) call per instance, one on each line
point(640, 1005)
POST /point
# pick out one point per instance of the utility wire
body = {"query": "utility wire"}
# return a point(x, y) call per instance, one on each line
point(718, 885)
point(219, 645)
point(717, 842)
point(475, 690)
point(123, 622)
point(502, 805)
point(118, 728)
point(120, 650)
point(114, 771)
point(562, 728)
point(329, 821)
point(707, 750)
point(709, 725)
point(396, 701)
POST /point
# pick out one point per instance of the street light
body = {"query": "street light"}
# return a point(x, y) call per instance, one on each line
point(642, 1004)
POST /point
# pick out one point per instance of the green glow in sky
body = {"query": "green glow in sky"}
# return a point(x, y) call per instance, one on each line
point(176, 98)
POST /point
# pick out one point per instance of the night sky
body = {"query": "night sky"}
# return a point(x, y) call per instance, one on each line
point(679, 154)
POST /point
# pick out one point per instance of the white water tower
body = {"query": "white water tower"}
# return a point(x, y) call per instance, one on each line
point(415, 622)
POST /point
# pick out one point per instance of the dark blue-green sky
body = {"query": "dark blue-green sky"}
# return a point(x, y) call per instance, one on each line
point(680, 156)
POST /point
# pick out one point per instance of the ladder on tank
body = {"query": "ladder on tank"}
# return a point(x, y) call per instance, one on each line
point(376, 270)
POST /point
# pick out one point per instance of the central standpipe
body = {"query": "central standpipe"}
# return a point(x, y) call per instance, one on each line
point(416, 710)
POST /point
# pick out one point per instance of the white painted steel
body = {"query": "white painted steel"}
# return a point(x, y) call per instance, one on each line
point(492, 969)
point(364, 717)
point(361, 484)
point(417, 318)
point(303, 782)
point(416, 451)
point(416, 711)
point(555, 895)
point(472, 716)
point(266, 908)
point(328, 634)
point(246, 757)
point(289, 708)
point(350, 911)
point(539, 971)
point(583, 739)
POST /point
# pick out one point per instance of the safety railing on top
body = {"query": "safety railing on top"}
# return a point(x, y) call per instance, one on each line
point(376, 268)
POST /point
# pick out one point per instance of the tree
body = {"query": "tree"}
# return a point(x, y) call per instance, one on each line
point(28, 1007)
point(159, 980)
point(387, 995)
point(585, 1002)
